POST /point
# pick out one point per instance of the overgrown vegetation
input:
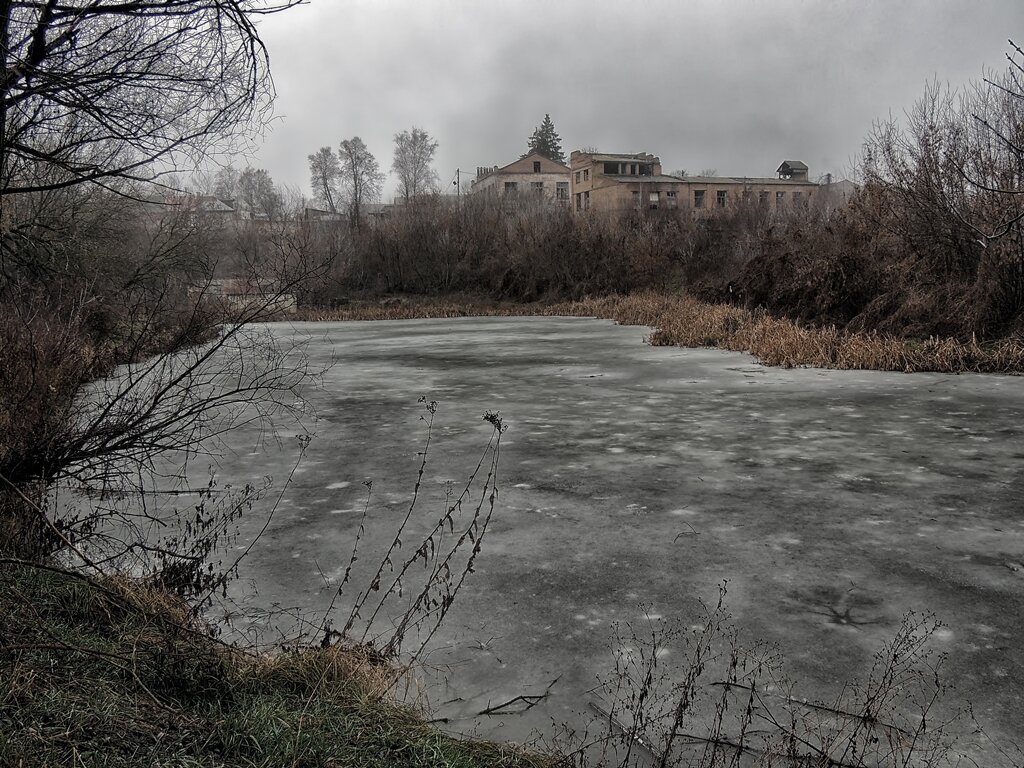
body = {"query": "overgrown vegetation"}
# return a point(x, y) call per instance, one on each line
point(107, 672)
point(101, 266)
point(728, 704)
point(129, 333)
point(680, 320)
point(929, 251)
point(804, 287)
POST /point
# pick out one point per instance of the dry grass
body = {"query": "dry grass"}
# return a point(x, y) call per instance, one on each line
point(414, 308)
point(109, 672)
point(686, 322)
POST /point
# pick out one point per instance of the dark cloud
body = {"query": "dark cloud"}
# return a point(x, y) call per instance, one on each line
point(733, 85)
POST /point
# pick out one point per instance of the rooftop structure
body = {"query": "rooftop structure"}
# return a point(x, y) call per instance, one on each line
point(620, 182)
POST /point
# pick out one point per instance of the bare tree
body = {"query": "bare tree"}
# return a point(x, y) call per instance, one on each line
point(258, 195)
point(225, 183)
point(361, 175)
point(98, 90)
point(98, 97)
point(414, 154)
point(945, 182)
point(324, 172)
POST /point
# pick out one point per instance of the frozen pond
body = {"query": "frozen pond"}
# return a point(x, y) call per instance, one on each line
point(833, 502)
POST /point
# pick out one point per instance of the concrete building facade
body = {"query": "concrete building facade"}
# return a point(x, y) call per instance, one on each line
point(531, 177)
point(624, 182)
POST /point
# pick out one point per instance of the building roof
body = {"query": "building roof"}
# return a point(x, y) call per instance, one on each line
point(530, 156)
point(628, 177)
point(758, 180)
point(211, 204)
point(322, 215)
point(622, 158)
point(709, 180)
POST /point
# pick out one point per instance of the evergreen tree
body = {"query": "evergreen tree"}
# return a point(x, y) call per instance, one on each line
point(545, 141)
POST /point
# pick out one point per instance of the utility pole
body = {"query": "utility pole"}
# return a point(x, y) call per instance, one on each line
point(457, 183)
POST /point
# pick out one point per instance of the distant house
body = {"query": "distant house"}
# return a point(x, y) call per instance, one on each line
point(531, 177)
point(320, 215)
point(622, 182)
point(376, 210)
point(194, 208)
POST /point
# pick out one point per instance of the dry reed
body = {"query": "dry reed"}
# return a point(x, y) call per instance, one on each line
point(686, 322)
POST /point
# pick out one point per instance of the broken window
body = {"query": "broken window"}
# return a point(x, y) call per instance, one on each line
point(698, 198)
point(511, 187)
point(654, 200)
point(562, 190)
point(611, 169)
point(536, 166)
point(798, 198)
point(586, 174)
point(670, 199)
point(721, 198)
point(537, 187)
point(762, 198)
point(577, 177)
point(646, 170)
point(780, 198)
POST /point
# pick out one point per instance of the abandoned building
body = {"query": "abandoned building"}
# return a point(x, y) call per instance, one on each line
point(533, 175)
point(621, 182)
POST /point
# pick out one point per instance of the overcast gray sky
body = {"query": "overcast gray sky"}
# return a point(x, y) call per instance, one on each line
point(734, 85)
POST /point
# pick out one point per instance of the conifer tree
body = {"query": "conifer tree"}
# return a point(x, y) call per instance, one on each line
point(545, 141)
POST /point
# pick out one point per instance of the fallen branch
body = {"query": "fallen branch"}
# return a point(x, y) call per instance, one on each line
point(530, 700)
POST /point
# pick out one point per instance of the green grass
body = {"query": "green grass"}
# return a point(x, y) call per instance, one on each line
point(111, 674)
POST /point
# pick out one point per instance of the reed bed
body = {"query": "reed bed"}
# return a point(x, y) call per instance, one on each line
point(414, 309)
point(686, 322)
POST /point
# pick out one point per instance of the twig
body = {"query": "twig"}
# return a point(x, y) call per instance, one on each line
point(45, 518)
point(502, 709)
point(618, 724)
point(811, 705)
point(692, 532)
point(266, 524)
point(530, 700)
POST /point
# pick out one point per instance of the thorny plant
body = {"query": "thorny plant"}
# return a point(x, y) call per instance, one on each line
point(732, 706)
point(428, 579)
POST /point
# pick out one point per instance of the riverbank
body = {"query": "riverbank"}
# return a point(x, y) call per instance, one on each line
point(112, 672)
point(686, 322)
